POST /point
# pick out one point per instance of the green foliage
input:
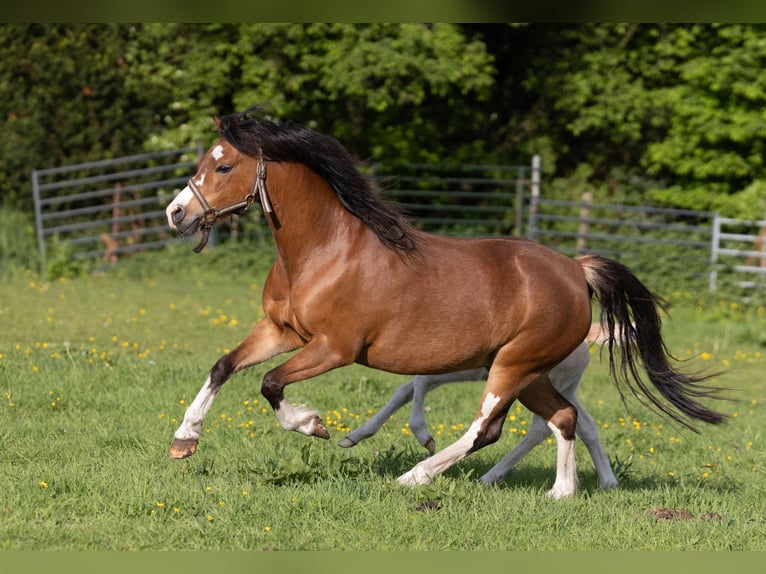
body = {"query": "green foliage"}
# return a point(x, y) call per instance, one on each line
point(18, 244)
point(66, 100)
point(669, 112)
point(61, 263)
point(379, 88)
point(677, 104)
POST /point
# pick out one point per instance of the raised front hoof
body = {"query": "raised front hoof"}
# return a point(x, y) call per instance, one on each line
point(430, 446)
point(320, 431)
point(181, 448)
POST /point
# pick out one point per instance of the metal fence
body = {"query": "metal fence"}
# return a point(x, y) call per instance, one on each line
point(466, 200)
point(102, 209)
point(694, 247)
point(105, 208)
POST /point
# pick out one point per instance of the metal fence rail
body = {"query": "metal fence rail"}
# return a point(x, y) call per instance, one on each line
point(697, 247)
point(650, 240)
point(621, 226)
point(104, 208)
point(475, 200)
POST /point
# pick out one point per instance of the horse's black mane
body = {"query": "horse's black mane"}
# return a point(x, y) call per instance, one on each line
point(249, 131)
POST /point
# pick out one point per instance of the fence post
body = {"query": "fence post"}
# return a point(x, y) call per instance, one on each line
point(582, 230)
point(518, 217)
point(715, 243)
point(38, 218)
point(535, 199)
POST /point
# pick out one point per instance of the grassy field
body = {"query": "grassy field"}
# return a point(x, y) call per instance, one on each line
point(96, 372)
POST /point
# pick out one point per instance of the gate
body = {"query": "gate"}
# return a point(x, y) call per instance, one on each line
point(738, 253)
point(104, 208)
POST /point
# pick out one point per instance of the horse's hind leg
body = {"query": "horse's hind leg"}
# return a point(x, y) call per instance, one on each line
point(401, 397)
point(264, 341)
point(545, 401)
point(413, 390)
point(499, 394)
point(566, 377)
point(587, 431)
point(536, 433)
point(424, 384)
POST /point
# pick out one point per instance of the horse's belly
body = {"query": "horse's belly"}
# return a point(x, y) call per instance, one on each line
point(436, 348)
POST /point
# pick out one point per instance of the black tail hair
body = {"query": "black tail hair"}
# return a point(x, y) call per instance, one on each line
point(630, 313)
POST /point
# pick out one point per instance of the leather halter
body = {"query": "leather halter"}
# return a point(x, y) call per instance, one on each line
point(210, 214)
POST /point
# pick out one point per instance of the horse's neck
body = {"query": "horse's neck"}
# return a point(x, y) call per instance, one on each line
point(311, 224)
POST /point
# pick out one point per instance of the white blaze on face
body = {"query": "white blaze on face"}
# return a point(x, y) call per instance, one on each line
point(182, 200)
point(186, 195)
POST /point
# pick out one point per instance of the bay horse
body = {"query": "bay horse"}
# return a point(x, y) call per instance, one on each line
point(565, 378)
point(354, 282)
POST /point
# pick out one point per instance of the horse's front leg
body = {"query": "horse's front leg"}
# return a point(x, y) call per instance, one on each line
point(265, 341)
point(318, 356)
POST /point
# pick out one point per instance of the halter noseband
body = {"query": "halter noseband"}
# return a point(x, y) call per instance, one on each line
point(210, 214)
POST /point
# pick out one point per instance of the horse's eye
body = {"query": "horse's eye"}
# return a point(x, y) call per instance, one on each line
point(223, 169)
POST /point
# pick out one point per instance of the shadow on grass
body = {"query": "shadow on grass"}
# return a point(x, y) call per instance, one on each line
point(310, 462)
point(537, 476)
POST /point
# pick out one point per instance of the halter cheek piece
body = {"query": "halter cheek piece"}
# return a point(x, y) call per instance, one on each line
point(210, 214)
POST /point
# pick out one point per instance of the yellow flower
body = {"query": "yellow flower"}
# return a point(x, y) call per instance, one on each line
point(43, 484)
point(160, 505)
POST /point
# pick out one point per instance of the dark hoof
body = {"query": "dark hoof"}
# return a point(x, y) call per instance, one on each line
point(430, 446)
point(181, 448)
point(320, 431)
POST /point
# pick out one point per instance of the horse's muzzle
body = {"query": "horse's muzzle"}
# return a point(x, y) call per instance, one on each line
point(177, 216)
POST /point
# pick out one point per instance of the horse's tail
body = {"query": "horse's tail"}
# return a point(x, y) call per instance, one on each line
point(630, 317)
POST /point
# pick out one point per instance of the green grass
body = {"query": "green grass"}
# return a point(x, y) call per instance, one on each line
point(95, 374)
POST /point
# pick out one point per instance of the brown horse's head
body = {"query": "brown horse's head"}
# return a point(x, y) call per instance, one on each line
point(222, 185)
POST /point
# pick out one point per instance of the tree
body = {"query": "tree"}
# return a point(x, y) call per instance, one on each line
point(387, 91)
point(663, 111)
point(668, 112)
point(63, 91)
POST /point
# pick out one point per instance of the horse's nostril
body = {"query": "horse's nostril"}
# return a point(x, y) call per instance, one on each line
point(178, 215)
